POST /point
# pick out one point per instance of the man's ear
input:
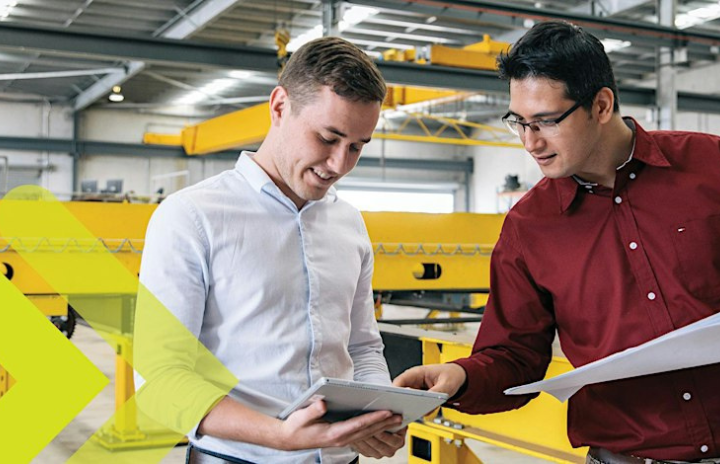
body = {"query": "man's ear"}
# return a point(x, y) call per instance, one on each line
point(279, 104)
point(604, 103)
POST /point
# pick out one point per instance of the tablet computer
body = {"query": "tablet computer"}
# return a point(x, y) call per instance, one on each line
point(348, 398)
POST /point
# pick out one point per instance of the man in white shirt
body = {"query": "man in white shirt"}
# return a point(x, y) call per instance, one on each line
point(271, 271)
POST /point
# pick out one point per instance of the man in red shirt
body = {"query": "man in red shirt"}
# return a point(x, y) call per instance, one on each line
point(617, 245)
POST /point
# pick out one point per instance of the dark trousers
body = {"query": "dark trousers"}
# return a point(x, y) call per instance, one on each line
point(196, 455)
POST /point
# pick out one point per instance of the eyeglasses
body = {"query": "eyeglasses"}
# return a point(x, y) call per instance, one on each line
point(542, 127)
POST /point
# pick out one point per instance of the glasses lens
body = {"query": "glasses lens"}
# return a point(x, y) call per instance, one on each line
point(550, 129)
point(511, 124)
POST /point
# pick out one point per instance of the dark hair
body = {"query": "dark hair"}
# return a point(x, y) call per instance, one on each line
point(336, 63)
point(562, 52)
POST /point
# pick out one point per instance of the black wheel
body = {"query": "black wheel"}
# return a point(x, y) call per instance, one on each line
point(65, 324)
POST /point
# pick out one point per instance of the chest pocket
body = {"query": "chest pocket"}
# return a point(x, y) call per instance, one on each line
point(697, 244)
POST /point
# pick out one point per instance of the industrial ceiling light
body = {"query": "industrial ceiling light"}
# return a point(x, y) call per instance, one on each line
point(698, 16)
point(5, 7)
point(239, 74)
point(612, 45)
point(352, 16)
point(116, 96)
point(207, 91)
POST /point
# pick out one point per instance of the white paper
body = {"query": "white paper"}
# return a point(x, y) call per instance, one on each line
point(694, 345)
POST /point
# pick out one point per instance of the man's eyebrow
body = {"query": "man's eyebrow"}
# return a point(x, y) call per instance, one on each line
point(342, 134)
point(535, 116)
point(336, 131)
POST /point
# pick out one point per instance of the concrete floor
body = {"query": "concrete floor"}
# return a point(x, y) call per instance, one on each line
point(77, 433)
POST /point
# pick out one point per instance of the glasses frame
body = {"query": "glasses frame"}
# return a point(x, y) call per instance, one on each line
point(555, 121)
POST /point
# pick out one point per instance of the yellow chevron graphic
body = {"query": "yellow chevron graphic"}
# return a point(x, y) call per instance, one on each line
point(46, 367)
point(103, 290)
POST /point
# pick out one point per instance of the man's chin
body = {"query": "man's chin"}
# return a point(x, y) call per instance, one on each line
point(554, 173)
point(313, 194)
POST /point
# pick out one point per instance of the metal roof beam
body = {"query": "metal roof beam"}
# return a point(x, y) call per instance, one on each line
point(92, 147)
point(608, 8)
point(104, 85)
point(182, 29)
point(262, 59)
point(198, 18)
point(605, 9)
point(95, 45)
point(506, 13)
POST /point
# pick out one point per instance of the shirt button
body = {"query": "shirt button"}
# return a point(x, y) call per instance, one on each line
point(618, 200)
point(704, 448)
point(633, 246)
point(687, 396)
point(632, 175)
point(651, 296)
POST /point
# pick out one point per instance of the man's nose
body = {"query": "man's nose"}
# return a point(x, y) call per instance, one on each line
point(338, 157)
point(532, 140)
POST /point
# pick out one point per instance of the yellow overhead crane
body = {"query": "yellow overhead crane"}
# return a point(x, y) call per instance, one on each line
point(413, 253)
point(247, 127)
point(480, 55)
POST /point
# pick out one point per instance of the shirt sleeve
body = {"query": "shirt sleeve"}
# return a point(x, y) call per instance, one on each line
point(366, 346)
point(181, 380)
point(514, 343)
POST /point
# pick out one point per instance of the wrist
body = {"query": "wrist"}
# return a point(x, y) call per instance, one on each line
point(282, 437)
point(462, 375)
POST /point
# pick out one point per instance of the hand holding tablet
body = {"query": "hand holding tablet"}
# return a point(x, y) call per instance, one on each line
point(346, 399)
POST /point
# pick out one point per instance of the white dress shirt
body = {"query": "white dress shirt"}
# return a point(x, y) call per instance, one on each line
point(281, 297)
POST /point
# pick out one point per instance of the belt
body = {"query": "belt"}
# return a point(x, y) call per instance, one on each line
point(197, 455)
point(603, 456)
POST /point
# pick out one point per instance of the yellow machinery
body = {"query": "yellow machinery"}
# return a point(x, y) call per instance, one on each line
point(106, 221)
point(443, 261)
point(425, 260)
point(221, 133)
point(538, 429)
point(481, 55)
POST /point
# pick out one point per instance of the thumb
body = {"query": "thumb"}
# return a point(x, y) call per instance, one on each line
point(439, 388)
point(316, 410)
point(445, 386)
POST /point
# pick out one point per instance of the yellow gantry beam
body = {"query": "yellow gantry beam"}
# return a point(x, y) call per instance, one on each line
point(457, 244)
point(445, 140)
point(237, 129)
point(249, 126)
point(481, 55)
point(403, 95)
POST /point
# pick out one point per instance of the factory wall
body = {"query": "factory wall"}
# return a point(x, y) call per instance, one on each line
point(140, 175)
point(146, 175)
point(50, 170)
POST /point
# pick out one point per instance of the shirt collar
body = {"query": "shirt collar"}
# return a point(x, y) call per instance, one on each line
point(252, 172)
point(645, 149)
point(260, 181)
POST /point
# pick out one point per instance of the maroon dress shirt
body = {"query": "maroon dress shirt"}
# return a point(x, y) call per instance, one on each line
point(610, 269)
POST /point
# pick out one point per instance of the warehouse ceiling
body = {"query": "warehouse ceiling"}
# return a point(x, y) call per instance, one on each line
point(191, 88)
